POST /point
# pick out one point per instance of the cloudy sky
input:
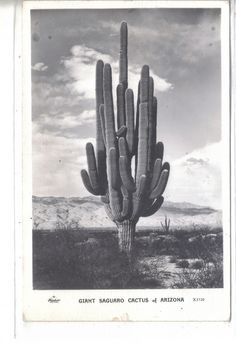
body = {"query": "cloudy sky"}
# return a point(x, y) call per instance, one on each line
point(182, 48)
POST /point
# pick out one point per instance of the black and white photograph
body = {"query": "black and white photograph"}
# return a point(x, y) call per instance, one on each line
point(130, 131)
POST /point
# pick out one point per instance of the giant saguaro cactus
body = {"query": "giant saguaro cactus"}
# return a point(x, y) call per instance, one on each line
point(128, 190)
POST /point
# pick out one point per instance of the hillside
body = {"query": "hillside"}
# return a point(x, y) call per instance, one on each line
point(50, 213)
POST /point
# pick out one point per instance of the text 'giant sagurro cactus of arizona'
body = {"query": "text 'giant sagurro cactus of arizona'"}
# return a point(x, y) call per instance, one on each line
point(127, 170)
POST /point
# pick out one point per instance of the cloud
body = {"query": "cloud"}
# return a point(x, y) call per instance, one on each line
point(195, 161)
point(196, 177)
point(58, 124)
point(40, 66)
point(52, 95)
point(66, 100)
point(87, 117)
point(57, 162)
point(80, 66)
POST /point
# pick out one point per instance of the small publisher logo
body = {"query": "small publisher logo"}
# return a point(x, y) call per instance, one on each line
point(53, 300)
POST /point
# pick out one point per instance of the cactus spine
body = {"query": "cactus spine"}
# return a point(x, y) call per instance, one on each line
point(126, 196)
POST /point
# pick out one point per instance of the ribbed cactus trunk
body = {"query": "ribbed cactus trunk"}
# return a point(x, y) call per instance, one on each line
point(126, 231)
point(121, 137)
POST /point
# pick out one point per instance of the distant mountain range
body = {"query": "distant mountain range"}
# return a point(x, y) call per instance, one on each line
point(50, 213)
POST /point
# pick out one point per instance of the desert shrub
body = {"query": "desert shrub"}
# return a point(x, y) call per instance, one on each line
point(155, 245)
point(142, 241)
point(146, 274)
point(183, 264)
point(173, 259)
point(217, 229)
point(209, 276)
point(164, 245)
point(197, 264)
point(206, 249)
point(181, 233)
point(203, 230)
point(200, 243)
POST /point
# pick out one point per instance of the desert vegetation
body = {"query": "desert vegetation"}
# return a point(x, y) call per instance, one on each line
point(91, 259)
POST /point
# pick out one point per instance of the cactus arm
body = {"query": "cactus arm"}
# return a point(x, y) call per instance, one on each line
point(87, 183)
point(102, 119)
point(166, 165)
point(156, 173)
point(142, 143)
point(156, 205)
point(151, 120)
point(113, 169)
point(99, 101)
point(150, 103)
point(136, 129)
point(113, 184)
point(120, 105)
point(154, 110)
point(111, 146)
point(142, 185)
point(92, 167)
point(123, 62)
point(137, 116)
point(159, 150)
point(122, 131)
point(123, 147)
point(125, 167)
point(129, 110)
point(137, 198)
point(100, 145)
point(161, 185)
point(144, 84)
point(123, 76)
point(108, 108)
point(142, 158)
point(125, 174)
point(126, 206)
point(99, 87)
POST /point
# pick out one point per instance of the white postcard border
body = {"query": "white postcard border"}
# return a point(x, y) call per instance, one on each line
point(35, 303)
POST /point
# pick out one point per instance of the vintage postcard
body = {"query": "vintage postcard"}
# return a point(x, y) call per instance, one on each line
point(126, 171)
